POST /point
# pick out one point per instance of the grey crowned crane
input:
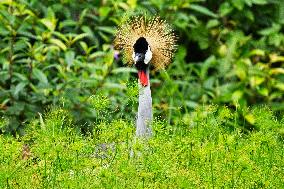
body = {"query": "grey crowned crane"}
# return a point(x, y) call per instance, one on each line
point(144, 42)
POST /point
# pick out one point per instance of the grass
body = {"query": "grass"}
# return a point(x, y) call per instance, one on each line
point(207, 149)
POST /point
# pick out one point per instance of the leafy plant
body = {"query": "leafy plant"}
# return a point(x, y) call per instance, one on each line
point(61, 53)
point(54, 153)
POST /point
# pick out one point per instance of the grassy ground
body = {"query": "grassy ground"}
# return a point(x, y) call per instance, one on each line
point(208, 148)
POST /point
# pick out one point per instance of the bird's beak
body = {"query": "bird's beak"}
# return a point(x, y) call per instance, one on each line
point(143, 77)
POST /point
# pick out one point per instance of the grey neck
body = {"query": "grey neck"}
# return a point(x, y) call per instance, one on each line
point(144, 116)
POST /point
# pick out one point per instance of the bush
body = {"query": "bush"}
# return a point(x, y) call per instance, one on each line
point(53, 154)
point(230, 52)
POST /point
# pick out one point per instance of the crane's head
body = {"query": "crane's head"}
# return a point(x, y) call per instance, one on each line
point(141, 56)
point(146, 40)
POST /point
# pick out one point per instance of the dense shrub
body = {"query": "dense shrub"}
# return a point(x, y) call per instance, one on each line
point(54, 155)
point(230, 52)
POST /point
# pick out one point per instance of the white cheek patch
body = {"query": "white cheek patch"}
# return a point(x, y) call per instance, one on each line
point(134, 58)
point(148, 55)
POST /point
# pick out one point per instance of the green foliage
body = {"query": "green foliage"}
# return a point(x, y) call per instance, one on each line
point(53, 55)
point(230, 52)
point(53, 154)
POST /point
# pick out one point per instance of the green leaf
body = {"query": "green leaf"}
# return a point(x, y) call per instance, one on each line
point(249, 2)
point(239, 4)
point(132, 3)
point(237, 95)
point(104, 36)
point(209, 82)
point(83, 14)
point(107, 29)
point(80, 36)
point(263, 91)
point(50, 20)
point(22, 77)
point(3, 30)
point(276, 71)
point(124, 70)
point(259, 2)
point(279, 86)
point(8, 2)
point(114, 85)
point(206, 65)
point(203, 10)
point(19, 88)
point(67, 23)
point(69, 57)
point(50, 24)
point(84, 46)
point(91, 35)
point(281, 13)
point(277, 106)
point(257, 52)
point(271, 30)
point(276, 58)
point(225, 9)
point(16, 109)
point(97, 54)
point(250, 118)
point(212, 23)
point(104, 11)
point(191, 104)
point(38, 74)
point(58, 43)
point(61, 36)
point(249, 15)
point(256, 80)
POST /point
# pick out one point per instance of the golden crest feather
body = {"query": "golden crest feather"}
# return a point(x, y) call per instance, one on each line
point(156, 31)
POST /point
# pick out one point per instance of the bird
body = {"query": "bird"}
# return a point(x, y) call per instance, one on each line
point(146, 42)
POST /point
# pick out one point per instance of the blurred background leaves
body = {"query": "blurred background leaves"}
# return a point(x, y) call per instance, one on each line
point(60, 53)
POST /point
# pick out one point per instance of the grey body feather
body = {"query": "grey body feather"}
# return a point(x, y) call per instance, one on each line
point(144, 116)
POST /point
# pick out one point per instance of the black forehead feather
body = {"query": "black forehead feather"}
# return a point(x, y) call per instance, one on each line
point(141, 45)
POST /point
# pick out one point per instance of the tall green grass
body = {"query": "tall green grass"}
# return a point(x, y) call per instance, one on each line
point(207, 149)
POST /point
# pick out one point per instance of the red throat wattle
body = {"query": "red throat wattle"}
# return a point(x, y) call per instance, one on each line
point(143, 77)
